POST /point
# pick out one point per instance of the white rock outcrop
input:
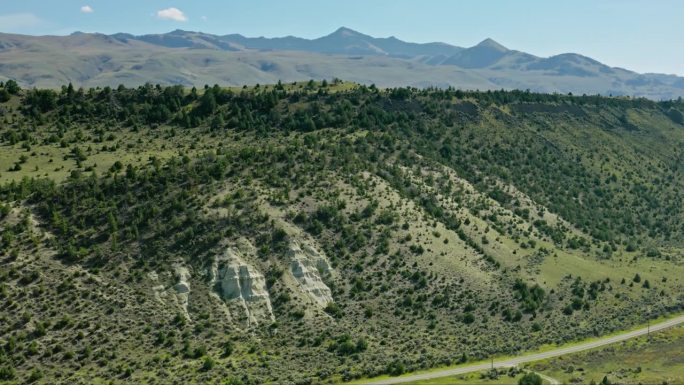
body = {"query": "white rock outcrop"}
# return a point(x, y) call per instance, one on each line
point(241, 285)
point(182, 288)
point(308, 265)
point(158, 290)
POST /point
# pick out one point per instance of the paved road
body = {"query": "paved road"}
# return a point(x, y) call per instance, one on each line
point(531, 357)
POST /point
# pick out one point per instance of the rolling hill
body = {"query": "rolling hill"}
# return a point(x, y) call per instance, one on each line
point(195, 58)
point(316, 233)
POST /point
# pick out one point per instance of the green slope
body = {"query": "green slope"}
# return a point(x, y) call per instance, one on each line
point(444, 225)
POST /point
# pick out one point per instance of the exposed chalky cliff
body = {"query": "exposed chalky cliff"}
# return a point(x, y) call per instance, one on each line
point(241, 285)
point(182, 288)
point(308, 266)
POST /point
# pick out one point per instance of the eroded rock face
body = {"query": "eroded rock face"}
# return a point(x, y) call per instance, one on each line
point(241, 285)
point(182, 288)
point(308, 265)
point(158, 290)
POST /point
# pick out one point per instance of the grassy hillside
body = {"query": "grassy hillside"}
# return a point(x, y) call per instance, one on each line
point(318, 233)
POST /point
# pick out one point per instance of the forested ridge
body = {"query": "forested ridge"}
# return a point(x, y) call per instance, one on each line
point(449, 219)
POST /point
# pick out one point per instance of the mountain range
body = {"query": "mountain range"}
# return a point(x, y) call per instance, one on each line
point(195, 58)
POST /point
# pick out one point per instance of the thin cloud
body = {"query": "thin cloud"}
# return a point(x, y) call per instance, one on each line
point(87, 9)
point(19, 21)
point(174, 14)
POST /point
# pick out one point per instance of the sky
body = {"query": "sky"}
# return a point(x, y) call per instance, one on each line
point(640, 35)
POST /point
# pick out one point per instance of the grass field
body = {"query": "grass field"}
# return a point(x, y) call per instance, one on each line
point(502, 377)
point(655, 360)
point(658, 360)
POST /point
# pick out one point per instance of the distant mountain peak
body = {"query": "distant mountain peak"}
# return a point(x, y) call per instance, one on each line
point(486, 53)
point(491, 44)
point(342, 53)
point(180, 32)
point(346, 32)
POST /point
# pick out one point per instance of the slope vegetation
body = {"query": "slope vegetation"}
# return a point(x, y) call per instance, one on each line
point(318, 233)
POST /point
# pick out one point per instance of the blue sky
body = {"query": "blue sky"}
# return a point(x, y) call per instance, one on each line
point(641, 35)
